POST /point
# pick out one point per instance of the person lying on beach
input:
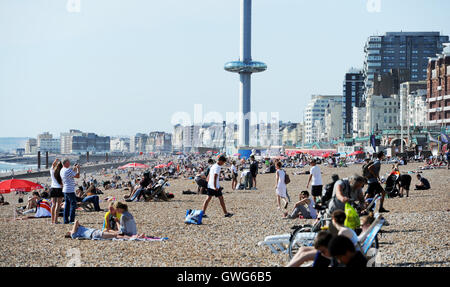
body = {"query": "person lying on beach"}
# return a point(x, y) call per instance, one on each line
point(79, 231)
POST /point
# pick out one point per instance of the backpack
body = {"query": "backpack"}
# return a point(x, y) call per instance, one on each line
point(287, 180)
point(328, 192)
point(365, 170)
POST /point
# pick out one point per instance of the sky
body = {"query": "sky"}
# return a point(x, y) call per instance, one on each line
point(119, 67)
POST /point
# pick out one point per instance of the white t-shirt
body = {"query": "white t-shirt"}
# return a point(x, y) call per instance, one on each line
point(316, 176)
point(233, 168)
point(55, 183)
point(215, 169)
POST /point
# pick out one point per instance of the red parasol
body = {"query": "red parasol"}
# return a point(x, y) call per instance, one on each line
point(18, 185)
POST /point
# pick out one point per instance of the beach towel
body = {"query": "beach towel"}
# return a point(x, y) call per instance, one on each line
point(193, 216)
point(131, 239)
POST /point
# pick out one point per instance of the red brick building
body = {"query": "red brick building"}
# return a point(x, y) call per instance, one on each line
point(438, 89)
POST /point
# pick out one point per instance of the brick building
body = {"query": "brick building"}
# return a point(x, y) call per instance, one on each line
point(438, 89)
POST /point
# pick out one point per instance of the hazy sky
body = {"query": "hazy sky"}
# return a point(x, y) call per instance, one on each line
point(119, 67)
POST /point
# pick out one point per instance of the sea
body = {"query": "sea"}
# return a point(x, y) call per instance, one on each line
point(5, 167)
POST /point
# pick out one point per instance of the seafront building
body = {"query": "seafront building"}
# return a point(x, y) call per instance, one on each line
point(31, 146)
point(401, 50)
point(314, 116)
point(333, 121)
point(382, 113)
point(120, 144)
point(77, 142)
point(353, 96)
point(152, 142)
point(417, 109)
point(46, 143)
point(438, 89)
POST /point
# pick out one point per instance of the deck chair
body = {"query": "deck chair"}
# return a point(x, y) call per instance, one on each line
point(86, 206)
point(280, 243)
point(367, 239)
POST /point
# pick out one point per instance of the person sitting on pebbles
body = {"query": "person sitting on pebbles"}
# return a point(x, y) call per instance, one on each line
point(308, 211)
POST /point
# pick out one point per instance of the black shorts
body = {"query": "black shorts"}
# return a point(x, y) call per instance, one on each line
point(56, 192)
point(316, 190)
point(254, 174)
point(374, 188)
point(234, 175)
point(213, 192)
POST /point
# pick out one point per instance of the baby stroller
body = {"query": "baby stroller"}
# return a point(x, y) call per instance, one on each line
point(391, 186)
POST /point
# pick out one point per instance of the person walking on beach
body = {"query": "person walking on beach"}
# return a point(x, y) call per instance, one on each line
point(253, 170)
point(56, 193)
point(234, 175)
point(214, 188)
point(373, 180)
point(316, 176)
point(68, 176)
point(280, 186)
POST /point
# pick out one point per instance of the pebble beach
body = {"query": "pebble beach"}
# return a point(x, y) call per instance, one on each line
point(417, 234)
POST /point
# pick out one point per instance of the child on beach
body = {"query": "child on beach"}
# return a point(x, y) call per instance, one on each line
point(109, 222)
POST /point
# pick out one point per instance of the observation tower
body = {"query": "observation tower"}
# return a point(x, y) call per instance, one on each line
point(245, 67)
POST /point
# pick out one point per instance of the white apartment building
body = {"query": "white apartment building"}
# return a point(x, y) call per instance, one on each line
point(359, 120)
point(120, 145)
point(314, 116)
point(50, 145)
point(333, 121)
point(382, 113)
point(417, 108)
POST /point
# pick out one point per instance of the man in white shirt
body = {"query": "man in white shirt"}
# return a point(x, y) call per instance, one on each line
point(214, 188)
point(316, 176)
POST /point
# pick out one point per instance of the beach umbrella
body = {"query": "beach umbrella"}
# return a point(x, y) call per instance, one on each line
point(326, 155)
point(237, 154)
point(160, 166)
point(134, 165)
point(179, 152)
point(356, 153)
point(8, 186)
